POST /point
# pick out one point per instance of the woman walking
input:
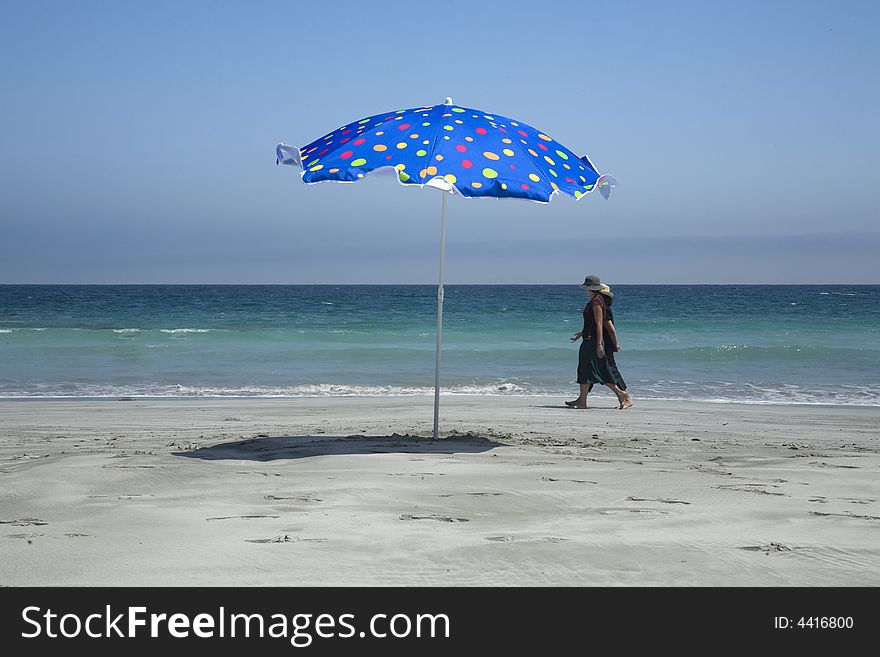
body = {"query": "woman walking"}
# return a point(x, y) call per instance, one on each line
point(598, 343)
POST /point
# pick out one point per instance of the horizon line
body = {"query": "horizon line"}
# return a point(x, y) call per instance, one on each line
point(432, 284)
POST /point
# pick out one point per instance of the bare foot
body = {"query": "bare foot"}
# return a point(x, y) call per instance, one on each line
point(572, 403)
point(626, 402)
point(576, 404)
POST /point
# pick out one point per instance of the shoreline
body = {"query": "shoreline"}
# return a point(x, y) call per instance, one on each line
point(443, 395)
point(519, 491)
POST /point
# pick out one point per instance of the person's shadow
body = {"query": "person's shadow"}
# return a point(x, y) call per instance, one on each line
point(270, 448)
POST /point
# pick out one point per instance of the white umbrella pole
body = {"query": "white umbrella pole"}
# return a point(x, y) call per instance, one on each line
point(439, 319)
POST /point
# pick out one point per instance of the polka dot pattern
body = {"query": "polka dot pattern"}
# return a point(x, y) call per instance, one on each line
point(480, 154)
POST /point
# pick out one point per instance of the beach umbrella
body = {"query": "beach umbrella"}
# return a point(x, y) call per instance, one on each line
point(452, 149)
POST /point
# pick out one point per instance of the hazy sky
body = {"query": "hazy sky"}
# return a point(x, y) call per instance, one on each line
point(137, 140)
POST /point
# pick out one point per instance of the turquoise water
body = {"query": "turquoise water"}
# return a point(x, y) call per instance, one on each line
point(762, 344)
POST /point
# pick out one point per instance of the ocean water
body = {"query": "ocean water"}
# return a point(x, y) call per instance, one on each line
point(759, 344)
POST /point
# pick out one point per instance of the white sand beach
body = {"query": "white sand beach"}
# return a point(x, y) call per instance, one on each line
point(520, 491)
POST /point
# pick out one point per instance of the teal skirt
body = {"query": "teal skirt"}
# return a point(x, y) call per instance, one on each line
point(592, 369)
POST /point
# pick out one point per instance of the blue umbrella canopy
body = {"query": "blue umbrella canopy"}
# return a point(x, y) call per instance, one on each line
point(474, 152)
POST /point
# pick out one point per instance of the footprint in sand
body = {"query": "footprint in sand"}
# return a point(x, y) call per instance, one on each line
point(610, 511)
point(474, 494)
point(24, 522)
point(767, 549)
point(285, 538)
point(295, 498)
point(749, 488)
point(659, 499)
point(409, 516)
point(574, 481)
point(846, 515)
point(247, 517)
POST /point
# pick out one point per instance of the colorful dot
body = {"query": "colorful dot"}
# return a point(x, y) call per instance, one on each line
point(549, 161)
point(364, 121)
point(508, 152)
point(316, 167)
point(346, 155)
point(358, 142)
point(333, 170)
point(403, 126)
point(459, 121)
point(468, 138)
point(402, 144)
point(523, 133)
point(561, 154)
point(461, 148)
point(544, 137)
point(457, 109)
point(439, 158)
point(507, 141)
point(554, 186)
point(491, 156)
point(503, 185)
point(379, 134)
point(542, 147)
point(423, 173)
point(534, 178)
point(427, 123)
point(400, 167)
point(432, 170)
point(450, 178)
point(533, 153)
point(380, 147)
point(315, 161)
point(476, 185)
point(426, 142)
point(481, 131)
point(413, 136)
point(588, 187)
point(467, 164)
point(486, 116)
point(554, 174)
point(490, 173)
point(358, 162)
point(421, 152)
point(403, 176)
point(578, 194)
point(524, 186)
point(448, 127)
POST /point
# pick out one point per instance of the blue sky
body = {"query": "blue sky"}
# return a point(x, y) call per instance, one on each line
point(138, 140)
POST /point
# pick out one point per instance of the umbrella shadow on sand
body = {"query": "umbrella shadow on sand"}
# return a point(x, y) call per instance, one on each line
point(271, 448)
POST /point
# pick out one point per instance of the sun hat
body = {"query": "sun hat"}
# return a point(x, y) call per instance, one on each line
point(592, 282)
point(604, 289)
